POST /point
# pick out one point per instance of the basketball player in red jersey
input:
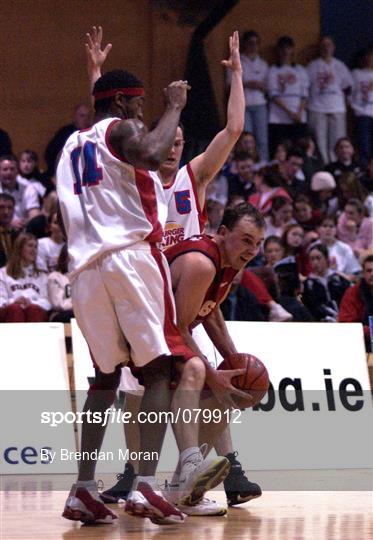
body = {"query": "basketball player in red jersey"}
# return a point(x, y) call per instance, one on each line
point(202, 271)
point(113, 209)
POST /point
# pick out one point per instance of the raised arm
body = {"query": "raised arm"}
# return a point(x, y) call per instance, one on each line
point(147, 150)
point(206, 165)
point(96, 56)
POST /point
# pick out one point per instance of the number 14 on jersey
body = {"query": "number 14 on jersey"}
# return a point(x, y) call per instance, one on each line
point(92, 174)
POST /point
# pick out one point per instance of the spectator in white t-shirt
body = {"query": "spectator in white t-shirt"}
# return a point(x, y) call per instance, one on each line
point(59, 290)
point(49, 248)
point(362, 104)
point(342, 258)
point(254, 75)
point(287, 86)
point(27, 203)
point(329, 80)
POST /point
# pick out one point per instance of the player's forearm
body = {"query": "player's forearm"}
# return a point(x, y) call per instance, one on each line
point(158, 143)
point(94, 73)
point(236, 106)
point(217, 331)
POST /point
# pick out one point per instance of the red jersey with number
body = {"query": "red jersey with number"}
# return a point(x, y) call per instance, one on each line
point(223, 278)
point(106, 203)
point(185, 216)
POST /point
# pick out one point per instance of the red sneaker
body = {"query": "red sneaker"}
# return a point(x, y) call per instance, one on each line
point(81, 506)
point(146, 502)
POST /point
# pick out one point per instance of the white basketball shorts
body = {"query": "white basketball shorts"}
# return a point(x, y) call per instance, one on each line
point(129, 383)
point(124, 307)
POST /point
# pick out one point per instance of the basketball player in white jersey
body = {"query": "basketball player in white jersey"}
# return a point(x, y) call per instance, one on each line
point(185, 191)
point(114, 210)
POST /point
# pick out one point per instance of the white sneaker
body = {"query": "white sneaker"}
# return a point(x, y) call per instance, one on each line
point(199, 475)
point(204, 508)
point(148, 502)
point(278, 314)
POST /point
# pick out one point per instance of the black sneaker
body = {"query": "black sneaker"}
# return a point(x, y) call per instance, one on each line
point(121, 488)
point(237, 487)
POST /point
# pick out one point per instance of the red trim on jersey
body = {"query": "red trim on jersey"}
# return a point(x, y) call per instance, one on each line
point(108, 144)
point(202, 213)
point(171, 333)
point(168, 186)
point(146, 189)
point(127, 91)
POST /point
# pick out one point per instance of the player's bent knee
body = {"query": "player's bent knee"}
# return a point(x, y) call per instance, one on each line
point(106, 382)
point(194, 372)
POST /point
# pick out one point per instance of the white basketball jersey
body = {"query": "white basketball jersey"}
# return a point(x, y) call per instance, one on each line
point(185, 217)
point(105, 202)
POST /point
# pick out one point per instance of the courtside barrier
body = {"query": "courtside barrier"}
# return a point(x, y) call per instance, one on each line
point(317, 413)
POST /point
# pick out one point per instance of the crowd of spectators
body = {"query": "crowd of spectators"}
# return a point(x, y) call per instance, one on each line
point(294, 162)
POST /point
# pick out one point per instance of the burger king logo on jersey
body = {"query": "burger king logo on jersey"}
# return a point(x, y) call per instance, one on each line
point(173, 234)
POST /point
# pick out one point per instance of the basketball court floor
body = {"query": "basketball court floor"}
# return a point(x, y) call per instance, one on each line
point(28, 512)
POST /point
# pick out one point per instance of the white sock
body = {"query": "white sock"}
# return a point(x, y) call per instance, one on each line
point(189, 452)
point(86, 483)
point(148, 479)
point(175, 478)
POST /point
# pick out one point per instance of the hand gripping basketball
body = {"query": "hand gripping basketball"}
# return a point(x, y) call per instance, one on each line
point(254, 381)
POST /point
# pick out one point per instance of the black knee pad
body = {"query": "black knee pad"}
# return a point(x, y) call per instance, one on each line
point(106, 381)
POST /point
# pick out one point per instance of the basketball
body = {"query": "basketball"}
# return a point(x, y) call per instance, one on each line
point(255, 380)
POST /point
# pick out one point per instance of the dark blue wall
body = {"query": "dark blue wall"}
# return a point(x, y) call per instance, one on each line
point(350, 22)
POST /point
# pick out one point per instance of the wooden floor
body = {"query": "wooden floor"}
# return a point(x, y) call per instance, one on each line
point(277, 515)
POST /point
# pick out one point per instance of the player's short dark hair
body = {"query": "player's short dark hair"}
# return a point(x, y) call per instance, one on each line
point(233, 214)
point(118, 78)
point(7, 197)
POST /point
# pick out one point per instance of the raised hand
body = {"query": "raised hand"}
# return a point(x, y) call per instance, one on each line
point(234, 61)
point(96, 56)
point(176, 94)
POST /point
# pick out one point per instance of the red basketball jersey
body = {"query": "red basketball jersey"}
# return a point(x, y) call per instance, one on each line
point(223, 278)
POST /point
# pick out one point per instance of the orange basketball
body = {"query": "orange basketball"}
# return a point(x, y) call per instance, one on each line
point(255, 380)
